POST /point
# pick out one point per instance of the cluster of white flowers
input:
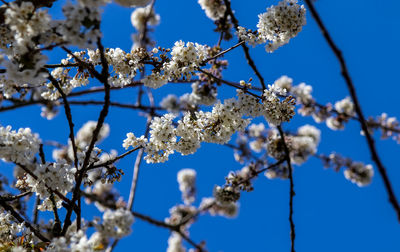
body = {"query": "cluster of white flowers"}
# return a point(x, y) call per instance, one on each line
point(67, 84)
point(77, 242)
point(125, 65)
point(187, 179)
point(275, 110)
point(276, 26)
point(304, 144)
point(356, 172)
point(389, 126)
point(25, 22)
point(81, 25)
point(9, 229)
point(18, 146)
point(55, 176)
point(302, 92)
point(216, 126)
point(201, 95)
point(179, 213)
point(228, 210)
point(116, 224)
point(301, 146)
point(185, 59)
point(24, 61)
point(359, 173)
point(140, 17)
point(132, 140)
point(175, 243)
point(345, 108)
point(215, 9)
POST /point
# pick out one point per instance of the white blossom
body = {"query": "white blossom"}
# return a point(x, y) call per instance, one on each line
point(117, 223)
point(18, 146)
point(215, 9)
point(359, 173)
point(187, 179)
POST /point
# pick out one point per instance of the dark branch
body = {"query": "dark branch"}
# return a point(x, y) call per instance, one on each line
point(357, 106)
point(292, 193)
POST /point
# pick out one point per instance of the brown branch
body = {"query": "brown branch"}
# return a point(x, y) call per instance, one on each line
point(292, 193)
point(370, 141)
point(111, 161)
point(68, 114)
point(14, 197)
point(103, 77)
point(223, 52)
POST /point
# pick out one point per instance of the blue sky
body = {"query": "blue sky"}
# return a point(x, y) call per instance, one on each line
point(330, 213)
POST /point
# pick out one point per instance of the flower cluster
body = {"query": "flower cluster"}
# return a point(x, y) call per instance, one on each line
point(215, 9)
point(216, 126)
point(18, 146)
point(116, 223)
point(187, 179)
point(52, 177)
point(276, 26)
point(24, 64)
point(9, 229)
point(175, 243)
point(140, 18)
point(389, 126)
point(185, 59)
point(356, 172)
point(277, 111)
point(82, 20)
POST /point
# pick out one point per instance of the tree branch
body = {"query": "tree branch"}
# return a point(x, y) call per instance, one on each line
point(370, 141)
point(292, 193)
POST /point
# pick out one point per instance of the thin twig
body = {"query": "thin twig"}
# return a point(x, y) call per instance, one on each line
point(111, 161)
point(14, 197)
point(68, 114)
point(136, 169)
point(292, 193)
point(223, 52)
point(370, 141)
point(103, 77)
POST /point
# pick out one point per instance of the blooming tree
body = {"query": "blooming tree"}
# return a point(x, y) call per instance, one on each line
point(81, 173)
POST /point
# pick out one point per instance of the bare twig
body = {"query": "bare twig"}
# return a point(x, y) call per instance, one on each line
point(103, 77)
point(111, 161)
point(68, 114)
point(14, 197)
point(346, 75)
point(223, 52)
point(136, 169)
point(292, 193)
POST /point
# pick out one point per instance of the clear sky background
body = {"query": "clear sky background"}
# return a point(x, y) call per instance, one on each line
point(330, 213)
